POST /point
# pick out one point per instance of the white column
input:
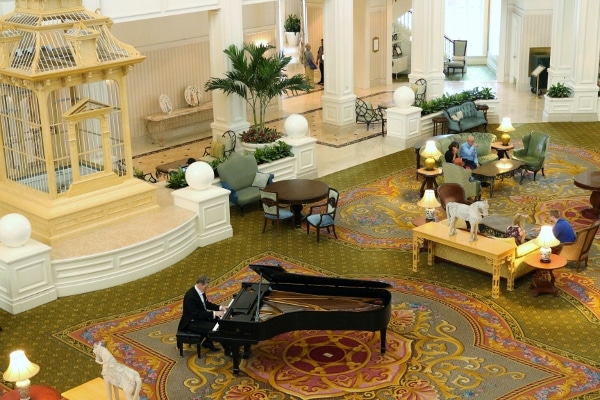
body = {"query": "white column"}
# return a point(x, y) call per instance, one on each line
point(212, 212)
point(26, 278)
point(574, 60)
point(427, 55)
point(226, 29)
point(338, 100)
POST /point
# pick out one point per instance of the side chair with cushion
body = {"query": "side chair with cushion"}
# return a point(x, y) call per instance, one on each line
point(239, 174)
point(366, 114)
point(456, 174)
point(459, 57)
point(579, 250)
point(273, 211)
point(533, 153)
point(452, 192)
point(420, 89)
point(221, 148)
point(326, 216)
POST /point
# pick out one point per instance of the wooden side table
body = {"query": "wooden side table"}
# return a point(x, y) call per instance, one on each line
point(37, 392)
point(430, 177)
point(439, 125)
point(502, 150)
point(543, 280)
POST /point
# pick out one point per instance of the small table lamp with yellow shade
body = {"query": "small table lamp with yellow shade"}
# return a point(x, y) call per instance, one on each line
point(505, 127)
point(431, 153)
point(546, 240)
point(429, 203)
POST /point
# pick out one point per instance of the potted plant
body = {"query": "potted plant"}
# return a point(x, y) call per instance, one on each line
point(558, 90)
point(273, 152)
point(292, 29)
point(257, 78)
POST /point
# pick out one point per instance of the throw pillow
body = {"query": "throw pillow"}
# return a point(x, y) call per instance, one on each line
point(227, 143)
point(217, 149)
point(455, 117)
point(260, 180)
point(460, 115)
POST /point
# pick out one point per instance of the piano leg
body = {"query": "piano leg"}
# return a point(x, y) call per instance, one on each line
point(236, 356)
point(382, 334)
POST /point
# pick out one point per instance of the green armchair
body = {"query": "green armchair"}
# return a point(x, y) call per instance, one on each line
point(239, 174)
point(457, 174)
point(533, 153)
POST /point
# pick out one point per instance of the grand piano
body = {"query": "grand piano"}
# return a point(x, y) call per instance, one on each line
point(289, 302)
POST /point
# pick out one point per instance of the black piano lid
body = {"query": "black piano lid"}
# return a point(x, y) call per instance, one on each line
point(278, 274)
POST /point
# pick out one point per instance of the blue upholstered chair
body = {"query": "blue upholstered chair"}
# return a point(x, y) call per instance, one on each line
point(325, 218)
point(273, 211)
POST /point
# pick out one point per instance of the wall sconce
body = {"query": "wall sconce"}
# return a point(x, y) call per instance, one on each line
point(431, 153)
point(546, 240)
point(505, 127)
point(19, 371)
point(429, 202)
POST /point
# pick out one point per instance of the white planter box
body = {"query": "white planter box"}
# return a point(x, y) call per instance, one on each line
point(282, 169)
point(557, 109)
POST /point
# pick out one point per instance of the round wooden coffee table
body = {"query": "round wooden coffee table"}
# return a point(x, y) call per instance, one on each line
point(590, 180)
point(430, 178)
point(502, 149)
point(543, 280)
point(297, 192)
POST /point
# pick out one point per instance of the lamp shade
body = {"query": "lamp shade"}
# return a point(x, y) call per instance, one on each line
point(546, 237)
point(505, 125)
point(428, 200)
point(20, 368)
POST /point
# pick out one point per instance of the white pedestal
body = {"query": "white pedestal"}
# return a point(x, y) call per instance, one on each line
point(404, 124)
point(304, 149)
point(26, 279)
point(212, 209)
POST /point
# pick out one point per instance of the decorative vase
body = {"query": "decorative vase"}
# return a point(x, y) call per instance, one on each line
point(293, 38)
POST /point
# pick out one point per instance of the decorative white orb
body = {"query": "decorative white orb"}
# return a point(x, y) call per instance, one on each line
point(404, 97)
point(199, 175)
point(15, 230)
point(295, 126)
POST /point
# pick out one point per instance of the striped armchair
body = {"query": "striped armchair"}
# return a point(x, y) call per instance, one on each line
point(456, 174)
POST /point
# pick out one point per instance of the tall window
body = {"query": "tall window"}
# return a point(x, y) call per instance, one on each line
point(465, 20)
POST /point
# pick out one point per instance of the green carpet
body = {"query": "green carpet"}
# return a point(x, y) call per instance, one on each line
point(553, 323)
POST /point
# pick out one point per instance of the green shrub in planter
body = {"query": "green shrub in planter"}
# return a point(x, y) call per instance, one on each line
point(449, 100)
point(558, 90)
point(177, 179)
point(273, 152)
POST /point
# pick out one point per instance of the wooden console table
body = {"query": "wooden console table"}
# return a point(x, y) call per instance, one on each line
point(158, 123)
point(485, 254)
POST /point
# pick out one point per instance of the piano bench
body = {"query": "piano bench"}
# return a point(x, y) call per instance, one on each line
point(189, 338)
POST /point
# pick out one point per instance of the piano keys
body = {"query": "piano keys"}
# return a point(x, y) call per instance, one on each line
point(289, 302)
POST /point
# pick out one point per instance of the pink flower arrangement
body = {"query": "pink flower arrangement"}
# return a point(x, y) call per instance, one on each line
point(253, 135)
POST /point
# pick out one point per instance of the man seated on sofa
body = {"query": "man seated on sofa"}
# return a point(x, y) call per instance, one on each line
point(468, 153)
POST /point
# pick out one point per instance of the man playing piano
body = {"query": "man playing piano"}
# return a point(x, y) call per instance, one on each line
point(199, 314)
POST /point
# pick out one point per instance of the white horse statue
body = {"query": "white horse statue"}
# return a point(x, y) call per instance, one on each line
point(471, 214)
point(117, 375)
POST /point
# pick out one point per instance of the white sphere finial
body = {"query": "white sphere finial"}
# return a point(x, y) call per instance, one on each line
point(15, 230)
point(199, 175)
point(295, 126)
point(404, 97)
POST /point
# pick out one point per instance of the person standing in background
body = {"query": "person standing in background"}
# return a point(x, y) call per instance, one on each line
point(321, 63)
point(308, 71)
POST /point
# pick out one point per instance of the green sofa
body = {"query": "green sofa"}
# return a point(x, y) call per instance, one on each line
point(484, 141)
point(465, 117)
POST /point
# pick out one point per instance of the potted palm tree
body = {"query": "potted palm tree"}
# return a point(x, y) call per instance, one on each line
point(292, 29)
point(258, 78)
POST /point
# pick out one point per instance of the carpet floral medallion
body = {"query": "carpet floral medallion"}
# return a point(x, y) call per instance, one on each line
point(442, 343)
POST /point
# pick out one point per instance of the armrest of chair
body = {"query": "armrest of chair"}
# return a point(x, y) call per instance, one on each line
point(233, 193)
point(520, 152)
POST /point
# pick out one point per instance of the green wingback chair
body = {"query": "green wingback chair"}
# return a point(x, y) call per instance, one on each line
point(240, 175)
point(533, 152)
point(457, 174)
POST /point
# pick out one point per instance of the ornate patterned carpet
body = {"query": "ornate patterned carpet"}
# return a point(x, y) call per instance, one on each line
point(442, 343)
point(550, 340)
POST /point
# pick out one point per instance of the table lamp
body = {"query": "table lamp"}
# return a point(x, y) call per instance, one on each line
point(430, 153)
point(505, 126)
point(429, 202)
point(546, 240)
point(20, 369)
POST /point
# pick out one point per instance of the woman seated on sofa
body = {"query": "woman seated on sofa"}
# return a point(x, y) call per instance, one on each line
point(517, 229)
point(452, 155)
